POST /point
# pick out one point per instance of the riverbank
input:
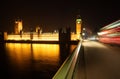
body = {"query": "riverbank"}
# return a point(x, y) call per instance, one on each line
point(32, 41)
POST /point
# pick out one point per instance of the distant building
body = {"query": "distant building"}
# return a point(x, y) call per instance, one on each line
point(66, 35)
point(78, 26)
point(18, 26)
point(38, 30)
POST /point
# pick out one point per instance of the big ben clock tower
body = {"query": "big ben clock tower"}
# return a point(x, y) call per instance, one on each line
point(78, 26)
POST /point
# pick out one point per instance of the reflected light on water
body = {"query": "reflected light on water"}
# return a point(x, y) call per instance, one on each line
point(25, 55)
point(46, 52)
point(18, 54)
point(26, 60)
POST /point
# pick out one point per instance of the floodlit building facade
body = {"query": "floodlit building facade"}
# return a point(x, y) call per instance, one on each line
point(78, 27)
point(38, 35)
point(18, 26)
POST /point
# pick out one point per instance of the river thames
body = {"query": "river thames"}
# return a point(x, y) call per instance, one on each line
point(32, 61)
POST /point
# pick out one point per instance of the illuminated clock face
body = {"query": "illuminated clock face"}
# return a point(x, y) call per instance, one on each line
point(78, 20)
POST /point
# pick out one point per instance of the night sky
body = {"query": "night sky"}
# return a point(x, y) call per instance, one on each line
point(50, 15)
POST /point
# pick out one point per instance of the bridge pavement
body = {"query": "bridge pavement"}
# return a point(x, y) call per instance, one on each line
point(98, 61)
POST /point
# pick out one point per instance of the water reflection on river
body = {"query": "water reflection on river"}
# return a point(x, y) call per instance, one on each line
point(34, 61)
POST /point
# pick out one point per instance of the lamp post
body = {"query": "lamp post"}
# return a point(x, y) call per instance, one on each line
point(83, 33)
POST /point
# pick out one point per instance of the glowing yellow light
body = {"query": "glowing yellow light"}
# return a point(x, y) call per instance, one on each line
point(41, 37)
point(20, 55)
point(46, 52)
point(18, 27)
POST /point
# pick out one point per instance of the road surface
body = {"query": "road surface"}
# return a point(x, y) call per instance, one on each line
point(98, 61)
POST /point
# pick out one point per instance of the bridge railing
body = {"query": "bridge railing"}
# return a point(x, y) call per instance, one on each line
point(66, 71)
